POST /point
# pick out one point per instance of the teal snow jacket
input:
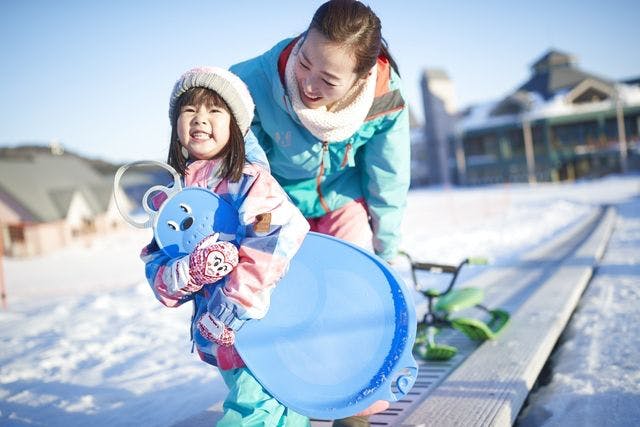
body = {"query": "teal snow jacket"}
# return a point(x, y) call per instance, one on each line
point(322, 176)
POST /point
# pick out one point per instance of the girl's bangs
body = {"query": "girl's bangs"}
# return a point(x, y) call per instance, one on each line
point(201, 95)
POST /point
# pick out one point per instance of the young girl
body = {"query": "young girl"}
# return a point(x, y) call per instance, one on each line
point(332, 119)
point(210, 111)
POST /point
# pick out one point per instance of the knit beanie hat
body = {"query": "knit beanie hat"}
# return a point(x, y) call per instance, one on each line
point(225, 83)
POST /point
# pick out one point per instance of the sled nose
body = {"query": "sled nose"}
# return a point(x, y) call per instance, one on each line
point(186, 223)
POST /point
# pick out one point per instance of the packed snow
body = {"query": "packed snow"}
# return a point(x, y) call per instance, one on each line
point(84, 342)
point(595, 379)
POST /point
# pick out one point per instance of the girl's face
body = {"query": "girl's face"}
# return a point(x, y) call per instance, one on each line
point(324, 71)
point(203, 130)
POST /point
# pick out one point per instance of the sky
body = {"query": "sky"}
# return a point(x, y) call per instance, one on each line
point(96, 76)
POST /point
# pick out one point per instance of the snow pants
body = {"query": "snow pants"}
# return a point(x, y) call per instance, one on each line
point(248, 404)
point(350, 223)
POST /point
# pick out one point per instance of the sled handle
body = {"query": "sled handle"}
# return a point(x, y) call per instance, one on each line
point(441, 268)
point(118, 192)
point(405, 379)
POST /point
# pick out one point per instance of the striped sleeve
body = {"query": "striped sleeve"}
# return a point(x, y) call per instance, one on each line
point(273, 231)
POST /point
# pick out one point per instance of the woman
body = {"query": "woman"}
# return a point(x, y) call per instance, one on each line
point(332, 119)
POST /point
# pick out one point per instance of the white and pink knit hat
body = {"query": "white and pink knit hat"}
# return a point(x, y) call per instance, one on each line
point(225, 83)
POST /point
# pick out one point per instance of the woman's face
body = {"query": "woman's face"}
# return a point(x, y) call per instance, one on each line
point(324, 71)
point(203, 130)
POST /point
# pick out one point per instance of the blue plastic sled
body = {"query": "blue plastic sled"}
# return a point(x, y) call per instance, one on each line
point(338, 335)
point(341, 326)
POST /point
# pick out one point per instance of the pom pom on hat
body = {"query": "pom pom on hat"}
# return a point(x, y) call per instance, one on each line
point(225, 83)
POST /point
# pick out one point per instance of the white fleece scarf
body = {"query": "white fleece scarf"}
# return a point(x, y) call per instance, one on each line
point(345, 116)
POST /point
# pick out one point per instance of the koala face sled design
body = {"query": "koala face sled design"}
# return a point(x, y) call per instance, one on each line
point(180, 217)
point(191, 215)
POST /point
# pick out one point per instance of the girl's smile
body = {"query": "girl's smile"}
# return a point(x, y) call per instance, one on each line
point(203, 130)
point(200, 135)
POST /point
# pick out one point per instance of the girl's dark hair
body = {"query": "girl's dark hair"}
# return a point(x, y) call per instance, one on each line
point(353, 24)
point(232, 154)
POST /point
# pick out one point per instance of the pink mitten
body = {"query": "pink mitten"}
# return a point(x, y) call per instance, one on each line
point(211, 260)
point(215, 331)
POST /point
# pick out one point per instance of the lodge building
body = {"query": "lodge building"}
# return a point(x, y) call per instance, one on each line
point(50, 199)
point(563, 123)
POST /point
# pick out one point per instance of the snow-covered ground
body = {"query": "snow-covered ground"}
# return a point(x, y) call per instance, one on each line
point(84, 342)
point(596, 367)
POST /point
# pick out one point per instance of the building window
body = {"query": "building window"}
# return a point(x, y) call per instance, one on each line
point(16, 233)
point(88, 225)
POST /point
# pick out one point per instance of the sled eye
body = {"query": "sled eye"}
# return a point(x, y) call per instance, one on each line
point(172, 225)
point(185, 208)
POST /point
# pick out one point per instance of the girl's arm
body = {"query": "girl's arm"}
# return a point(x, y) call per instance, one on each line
point(273, 230)
point(386, 176)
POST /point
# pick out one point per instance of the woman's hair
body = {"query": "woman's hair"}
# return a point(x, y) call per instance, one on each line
point(232, 154)
point(353, 24)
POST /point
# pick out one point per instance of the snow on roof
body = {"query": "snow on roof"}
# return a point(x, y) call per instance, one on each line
point(557, 87)
point(480, 116)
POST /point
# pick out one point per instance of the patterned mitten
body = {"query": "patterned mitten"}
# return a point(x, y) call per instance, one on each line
point(215, 331)
point(211, 260)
